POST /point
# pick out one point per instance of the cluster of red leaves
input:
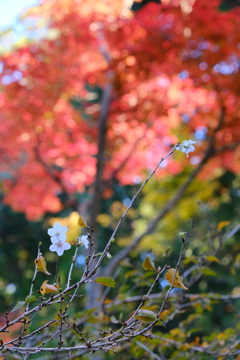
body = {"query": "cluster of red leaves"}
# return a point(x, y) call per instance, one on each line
point(167, 64)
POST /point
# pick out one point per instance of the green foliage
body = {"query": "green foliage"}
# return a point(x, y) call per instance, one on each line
point(227, 5)
point(18, 305)
point(145, 316)
point(106, 281)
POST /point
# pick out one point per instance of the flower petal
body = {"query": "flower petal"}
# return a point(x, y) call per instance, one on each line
point(60, 251)
point(57, 226)
point(55, 239)
point(84, 240)
point(53, 247)
point(64, 229)
point(51, 232)
point(185, 142)
point(85, 243)
point(66, 246)
point(62, 237)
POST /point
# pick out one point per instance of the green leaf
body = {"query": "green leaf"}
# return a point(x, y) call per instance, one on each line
point(189, 259)
point(212, 258)
point(120, 317)
point(107, 281)
point(30, 298)
point(113, 319)
point(18, 305)
point(145, 316)
point(148, 264)
point(191, 331)
point(207, 271)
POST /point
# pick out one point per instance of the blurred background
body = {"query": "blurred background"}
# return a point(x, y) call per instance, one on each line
point(92, 95)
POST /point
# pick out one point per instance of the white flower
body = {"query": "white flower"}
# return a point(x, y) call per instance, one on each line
point(58, 233)
point(83, 240)
point(60, 247)
point(186, 146)
point(58, 238)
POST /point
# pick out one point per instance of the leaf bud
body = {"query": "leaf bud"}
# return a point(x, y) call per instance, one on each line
point(98, 254)
point(182, 233)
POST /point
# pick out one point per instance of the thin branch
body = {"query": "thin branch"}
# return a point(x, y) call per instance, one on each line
point(128, 208)
point(34, 275)
point(113, 263)
point(150, 352)
point(72, 263)
point(213, 296)
point(178, 344)
point(145, 298)
point(51, 172)
point(128, 156)
point(171, 287)
point(170, 204)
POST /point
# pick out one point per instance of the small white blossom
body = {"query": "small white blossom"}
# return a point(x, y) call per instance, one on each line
point(60, 246)
point(83, 240)
point(58, 238)
point(109, 256)
point(58, 233)
point(186, 146)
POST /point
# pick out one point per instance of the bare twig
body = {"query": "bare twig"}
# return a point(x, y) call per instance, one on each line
point(150, 352)
point(170, 204)
point(129, 206)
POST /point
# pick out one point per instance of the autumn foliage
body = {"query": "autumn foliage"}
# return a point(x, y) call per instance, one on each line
point(173, 73)
point(94, 98)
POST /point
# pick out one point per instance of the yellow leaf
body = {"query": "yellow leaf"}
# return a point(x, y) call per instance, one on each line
point(237, 261)
point(212, 258)
point(41, 264)
point(47, 288)
point(207, 271)
point(169, 276)
point(185, 347)
point(72, 241)
point(177, 332)
point(236, 290)
point(104, 219)
point(222, 224)
point(164, 314)
point(189, 259)
point(82, 222)
point(148, 264)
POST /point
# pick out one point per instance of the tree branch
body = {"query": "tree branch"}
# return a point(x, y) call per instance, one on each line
point(171, 203)
point(102, 129)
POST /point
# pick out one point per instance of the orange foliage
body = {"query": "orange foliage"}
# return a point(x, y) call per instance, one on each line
point(172, 70)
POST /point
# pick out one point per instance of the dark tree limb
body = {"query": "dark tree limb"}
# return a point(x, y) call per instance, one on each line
point(102, 130)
